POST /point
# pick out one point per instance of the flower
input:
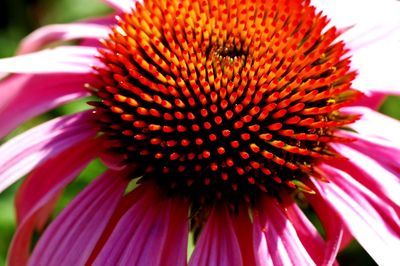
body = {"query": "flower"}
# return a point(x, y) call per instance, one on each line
point(228, 115)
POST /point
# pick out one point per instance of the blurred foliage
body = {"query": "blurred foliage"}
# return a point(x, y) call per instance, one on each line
point(20, 17)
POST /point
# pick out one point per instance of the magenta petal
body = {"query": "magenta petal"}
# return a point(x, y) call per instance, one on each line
point(63, 59)
point(386, 153)
point(308, 235)
point(154, 231)
point(23, 153)
point(244, 228)
point(373, 100)
point(260, 244)
point(373, 38)
point(25, 96)
point(48, 34)
point(39, 191)
point(377, 175)
point(46, 178)
point(218, 244)
point(70, 239)
point(107, 21)
point(276, 239)
point(113, 160)
point(373, 224)
point(374, 124)
point(333, 226)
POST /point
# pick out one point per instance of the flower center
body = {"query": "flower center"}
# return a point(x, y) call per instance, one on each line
point(223, 100)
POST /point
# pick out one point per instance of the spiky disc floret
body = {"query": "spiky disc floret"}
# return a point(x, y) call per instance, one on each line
point(223, 99)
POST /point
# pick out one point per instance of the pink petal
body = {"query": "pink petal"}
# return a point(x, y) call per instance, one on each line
point(387, 209)
point(373, 100)
point(39, 192)
point(218, 243)
point(260, 244)
point(276, 239)
point(23, 153)
point(107, 21)
point(123, 206)
point(154, 231)
point(379, 236)
point(385, 152)
point(243, 228)
point(26, 96)
point(374, 124)
point(347, 238)
point(46, 178)
point(333, 226)
point(344, 13)
point(377, 62)
point(63, 59)
point(373, 174)
point(70, 239)
point(308, 235)
point(373, 36)
point(122, 5)
point(113, 160)
point(64, 32)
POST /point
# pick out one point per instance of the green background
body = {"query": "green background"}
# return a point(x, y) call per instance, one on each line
point(17, 19)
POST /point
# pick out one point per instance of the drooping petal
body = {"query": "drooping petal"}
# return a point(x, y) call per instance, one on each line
point(323, 252)
point(122, 5)
point(369, 172)
point(113, 160)
point(377, 63)
point(156, 224)
point(243, 228)
point(63, 59)
point(333, 226)
point(38, 187)
point(218, 243)
point(64, 32)
point(120, 210)
point(106, 21)
point(33, 147)
point(373, 34)
point(260, 244)
point(344, 13)
point(386, 153)
point(70, 239)
point(371, 100)
point(379, 142)
point(276, 239)
point(36, 197)
point(373, 223)
point(375, 124)
point(26, 96)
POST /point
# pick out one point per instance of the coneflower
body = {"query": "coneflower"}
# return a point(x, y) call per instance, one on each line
point(227, 115)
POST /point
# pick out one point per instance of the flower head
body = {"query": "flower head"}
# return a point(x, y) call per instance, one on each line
point(227, 114)
point(228, 108)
